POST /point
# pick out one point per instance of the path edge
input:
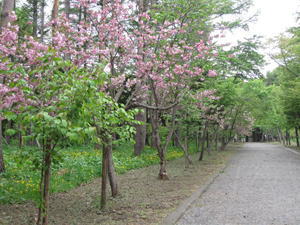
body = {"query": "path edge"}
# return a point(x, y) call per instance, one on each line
point(175, 215)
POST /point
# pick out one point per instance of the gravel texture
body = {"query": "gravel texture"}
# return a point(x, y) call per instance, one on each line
point(261, 185)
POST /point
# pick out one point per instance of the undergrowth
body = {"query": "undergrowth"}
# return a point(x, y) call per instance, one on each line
point(70, 167)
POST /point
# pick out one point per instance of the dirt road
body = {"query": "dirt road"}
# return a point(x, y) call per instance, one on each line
point(261, 185)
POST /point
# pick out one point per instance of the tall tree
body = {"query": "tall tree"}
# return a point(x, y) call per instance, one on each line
point(7, 7)
point(140, 136)
point(35, 18)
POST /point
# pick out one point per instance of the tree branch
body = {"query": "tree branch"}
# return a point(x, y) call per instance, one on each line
point(282, 65)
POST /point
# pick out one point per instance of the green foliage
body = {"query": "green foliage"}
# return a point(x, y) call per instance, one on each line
point(67, 103)
point(246, 62)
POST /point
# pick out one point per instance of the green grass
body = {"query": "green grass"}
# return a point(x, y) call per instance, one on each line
point(70, 168)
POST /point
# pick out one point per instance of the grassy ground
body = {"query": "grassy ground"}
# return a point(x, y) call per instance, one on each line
point(143, 199)
point(70, 167)
point(292, 146)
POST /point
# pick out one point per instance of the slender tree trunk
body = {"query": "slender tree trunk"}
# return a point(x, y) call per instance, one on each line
point(153, 144)
point(67, 8)
point(42, 20)
point(112, 173)
point(147, 142)
point(214, 138)
point(196, 138)
point(20, 136)
point(162, 173)
point(2, 166)
point(187, 136)
point(162, 151)
point(47, 182)
point(187, 150)
point(54, 15)
point(207, 143)
point(179, 134)
point(141, 131)
point(184, 148)
point(41, 189)
point(297, 137)
point(199, 138)
point(222, 143)
point(217, 141)
point(104, 175)
point(153, 140)
point(225, 143)
point(203, 141)
point(140, 135)
point(262, 137)
point(35, 18)
point(7, 136)
point(279, 137)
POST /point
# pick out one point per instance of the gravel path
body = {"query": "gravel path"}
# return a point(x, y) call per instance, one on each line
point(261, 185)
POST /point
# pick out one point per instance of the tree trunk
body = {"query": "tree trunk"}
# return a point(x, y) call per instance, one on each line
point(199, 138)
point(47, 182)
point(162, 151)
point(214, 138)
point(225, 143)
point(279, 137)
point(207, 142)
point(184, 148)
point(7, 7)
point(289, 138)
point(112, 173)
point(222, 143)
point(297, 137)
point(196, 139)
point(41, 190)
point(153, 144)
point(2, 166)
point(162, 172)
point(97, 146)
point(54, 15)
point(203, 142)
point(20, 136)
point(7, 136)
point(153, 140)
point(179, 134)
point(104, 175)
point(67, 9)
point(147, 124)
point(187, 136)
point(217, 141)
point(42, 20)
point(35, 18)
point(140, 135)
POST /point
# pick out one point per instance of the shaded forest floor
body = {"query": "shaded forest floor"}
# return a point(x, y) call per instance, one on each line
point(143, 199)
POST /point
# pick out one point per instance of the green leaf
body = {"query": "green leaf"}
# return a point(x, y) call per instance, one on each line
point(64, 123)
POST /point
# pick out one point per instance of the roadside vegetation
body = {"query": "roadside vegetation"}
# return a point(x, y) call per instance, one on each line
point(74, 165)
